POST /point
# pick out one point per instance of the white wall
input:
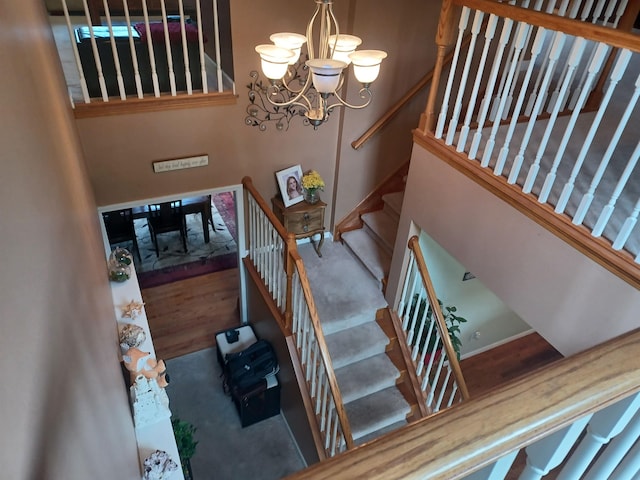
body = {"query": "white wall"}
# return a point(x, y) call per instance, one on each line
point(573, 302)
point(484, 311)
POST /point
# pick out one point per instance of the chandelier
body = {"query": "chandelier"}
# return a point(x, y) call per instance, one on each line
point(309, 85)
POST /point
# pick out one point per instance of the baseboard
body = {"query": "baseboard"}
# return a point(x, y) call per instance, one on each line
point(497, 344)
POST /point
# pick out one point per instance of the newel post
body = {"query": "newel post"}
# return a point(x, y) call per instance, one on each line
point(444, 38)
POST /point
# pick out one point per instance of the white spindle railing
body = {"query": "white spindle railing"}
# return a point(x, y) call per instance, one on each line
point(436, 364)
point(273, 256)
point(541, 123)
point(163, 53)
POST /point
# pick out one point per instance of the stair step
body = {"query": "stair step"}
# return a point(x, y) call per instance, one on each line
point(381, 432)
point(370, 252)
point(383, 227)
point(393, 203)
point(376, 411)
point(365, 377)
point(356, 344)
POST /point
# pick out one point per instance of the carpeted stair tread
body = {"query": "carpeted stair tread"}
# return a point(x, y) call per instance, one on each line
point(365, 377)
point(376, 411)
point(383, 226)
point(370, 252)
point(356, 343)
point(345, 294)
point(393, 203)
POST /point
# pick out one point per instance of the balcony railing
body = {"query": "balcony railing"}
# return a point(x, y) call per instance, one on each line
point(120, 51)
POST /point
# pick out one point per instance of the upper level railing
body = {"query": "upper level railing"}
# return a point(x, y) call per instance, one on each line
point(137, 51)
point(546, 102)
point(274, 257)
point(581, 414)
point(428, 335)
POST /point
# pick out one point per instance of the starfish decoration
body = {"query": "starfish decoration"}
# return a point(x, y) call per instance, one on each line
point(132, 309)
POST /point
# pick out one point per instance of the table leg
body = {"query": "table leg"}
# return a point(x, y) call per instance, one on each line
point(320, 242)
point(205, 225)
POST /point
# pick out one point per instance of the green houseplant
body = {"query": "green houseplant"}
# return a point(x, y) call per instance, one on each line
point(452, 320)
point(183, 432)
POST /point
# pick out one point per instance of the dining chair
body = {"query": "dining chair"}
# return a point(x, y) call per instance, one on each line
point(120, 228)
point(164, 218)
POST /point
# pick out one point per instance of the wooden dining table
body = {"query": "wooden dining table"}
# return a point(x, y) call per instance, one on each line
point(201, 205)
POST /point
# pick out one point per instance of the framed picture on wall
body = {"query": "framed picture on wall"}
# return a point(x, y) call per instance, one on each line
point(290, 183)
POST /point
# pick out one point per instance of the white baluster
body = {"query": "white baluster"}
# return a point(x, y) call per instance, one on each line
point(76, 55)
point(497, 470)
point(615, 452)
point(554, 53)
point(167, 48)
point(462, 25)
point(627, 227)
point(520, 37)
point(185, 49)
point(594, 67)
point(488, 37)
point(96, 55)
point(152, 56)
point(453, 123)
point(616, 75)
point(114, 51)
point(132, 49)
point(404, 303)
point(423, 352)
point(629, 468)
point(504, 151)
point(588, 197)
point(443, 389)
point(574, 59)
point(549, 452)
point(216, 31)
point(484, 106)
point(619, 12)
point(604, 425)
point(416, 341)
point(203, 69)
point(622, 181)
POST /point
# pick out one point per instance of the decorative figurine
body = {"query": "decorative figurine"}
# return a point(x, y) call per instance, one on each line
point(150, 402)
point(158, 466)
point(132, 309)
point(132, 336)
point(141, 363)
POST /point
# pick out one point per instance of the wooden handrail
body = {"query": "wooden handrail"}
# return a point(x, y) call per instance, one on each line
point(569, 26)
point(324, 351)
point(465, 438)
point(414, 246)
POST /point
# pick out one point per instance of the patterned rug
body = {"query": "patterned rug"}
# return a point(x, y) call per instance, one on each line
point(172, 263)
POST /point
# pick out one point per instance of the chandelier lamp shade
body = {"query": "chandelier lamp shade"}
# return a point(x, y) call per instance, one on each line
point(310, 85)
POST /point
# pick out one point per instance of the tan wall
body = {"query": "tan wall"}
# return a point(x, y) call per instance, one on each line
point(120, 150)
point(570, 300)
point(64, 409)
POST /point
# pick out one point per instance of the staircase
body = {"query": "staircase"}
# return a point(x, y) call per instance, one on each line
point(373, 244)
point(364, 352)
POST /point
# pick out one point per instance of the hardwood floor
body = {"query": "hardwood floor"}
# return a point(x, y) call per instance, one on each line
point(184, 316)
point(495, 367)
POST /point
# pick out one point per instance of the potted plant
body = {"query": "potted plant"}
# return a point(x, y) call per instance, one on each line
point(452, 320)
point(183, 432)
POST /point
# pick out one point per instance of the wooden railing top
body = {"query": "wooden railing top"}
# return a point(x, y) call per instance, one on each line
point(414, 245)
point(578, 28)
point(473, 434)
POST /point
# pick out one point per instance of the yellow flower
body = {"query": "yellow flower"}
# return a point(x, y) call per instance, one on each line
point(312, 181)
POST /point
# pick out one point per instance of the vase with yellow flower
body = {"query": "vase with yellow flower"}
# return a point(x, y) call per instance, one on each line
point(312, 183)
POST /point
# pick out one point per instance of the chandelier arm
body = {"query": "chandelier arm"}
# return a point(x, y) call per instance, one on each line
point(291, 90)
point(337, 34)
point(310, 51)
point(365, 94)
point(294, 100)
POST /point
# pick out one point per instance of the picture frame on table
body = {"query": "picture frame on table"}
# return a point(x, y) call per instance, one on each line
point(290, 184)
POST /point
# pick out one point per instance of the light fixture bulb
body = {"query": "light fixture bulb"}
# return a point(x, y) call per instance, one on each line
point(366, 64)
point(326, 73)
point(275, 60)
point(290, 41)
point(343, 45)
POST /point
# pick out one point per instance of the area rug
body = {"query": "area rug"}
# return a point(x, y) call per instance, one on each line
point(173, 263)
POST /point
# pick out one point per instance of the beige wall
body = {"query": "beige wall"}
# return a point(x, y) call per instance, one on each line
point(119, 150)
point(64, 409)
point(570, 300)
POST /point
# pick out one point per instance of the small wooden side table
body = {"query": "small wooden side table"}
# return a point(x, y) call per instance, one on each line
point(302, 219)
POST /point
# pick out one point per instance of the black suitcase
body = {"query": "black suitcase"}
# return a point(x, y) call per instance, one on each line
point(257, 402)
